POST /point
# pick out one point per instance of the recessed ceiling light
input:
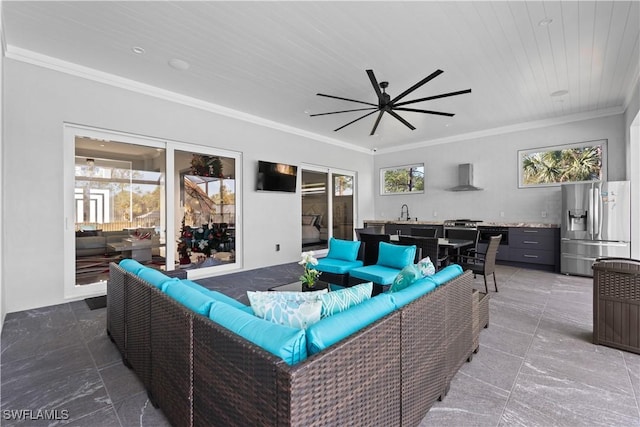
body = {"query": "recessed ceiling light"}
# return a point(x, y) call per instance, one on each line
point(179, 64)
point(559, 93)
point(138, 50)
point(545, 22)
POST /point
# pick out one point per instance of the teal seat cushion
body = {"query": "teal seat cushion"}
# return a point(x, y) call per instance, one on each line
point(419, 288)
point(395, 256)
point(343, 299)
point(155, 277)
point(449, 272)
point(375, 273)
point(190, 298)
point(336, 266)
point(346, 250)
point(131, 265)
point(405, 278)
point(287, 343)
point(218, 296)
point(333, 329)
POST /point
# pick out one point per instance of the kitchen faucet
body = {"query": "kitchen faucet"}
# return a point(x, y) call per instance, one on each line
point(403, 212)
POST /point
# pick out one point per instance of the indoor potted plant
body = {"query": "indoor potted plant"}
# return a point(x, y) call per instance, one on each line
point(310, 275)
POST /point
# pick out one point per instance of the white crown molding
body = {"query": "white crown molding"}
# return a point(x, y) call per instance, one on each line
point(508, 129)
point(40, 60)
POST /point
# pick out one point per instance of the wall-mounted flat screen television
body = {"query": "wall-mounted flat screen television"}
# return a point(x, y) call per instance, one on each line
point(276, 177)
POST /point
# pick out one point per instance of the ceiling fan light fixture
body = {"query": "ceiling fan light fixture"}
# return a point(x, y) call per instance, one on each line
point(545, 22)
point(138, 50)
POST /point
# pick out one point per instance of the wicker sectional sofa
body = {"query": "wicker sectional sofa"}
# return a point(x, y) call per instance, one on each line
point(201, 374)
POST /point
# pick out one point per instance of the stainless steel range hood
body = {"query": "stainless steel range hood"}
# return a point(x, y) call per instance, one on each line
point(465, 179)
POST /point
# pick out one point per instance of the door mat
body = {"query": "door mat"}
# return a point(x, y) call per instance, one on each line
point(96, 302)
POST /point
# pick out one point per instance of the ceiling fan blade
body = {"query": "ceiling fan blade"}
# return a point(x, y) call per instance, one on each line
point(406, 123)
point(376, 85)
point(353, 121)
point(431, 76)
point(375, 125)
point(428, 98)
point(343, 111)
point(346, 99)
point(415, 110)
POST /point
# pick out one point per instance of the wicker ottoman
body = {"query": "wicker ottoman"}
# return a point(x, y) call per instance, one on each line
point(616, 303)
point(480, 316)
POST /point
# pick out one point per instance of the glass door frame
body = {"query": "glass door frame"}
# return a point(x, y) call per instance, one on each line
point(70, 132)
point(330, 188)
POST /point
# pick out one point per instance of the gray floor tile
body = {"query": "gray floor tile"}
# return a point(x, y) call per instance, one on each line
point(138, 411)
point(536, 366)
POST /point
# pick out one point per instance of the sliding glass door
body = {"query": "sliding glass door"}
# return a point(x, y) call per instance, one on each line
point(165, 204)
point(327, 206)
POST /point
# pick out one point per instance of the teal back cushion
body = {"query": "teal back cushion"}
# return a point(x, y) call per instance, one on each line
point(395, 256)
point(155, 277)
point(332, 329)
point(287, 343)
point(190, 298)
point(340, 300)
point(346, 250)
point(131, 265)
point(416, 290)
point(216, 295)
point(446, 274)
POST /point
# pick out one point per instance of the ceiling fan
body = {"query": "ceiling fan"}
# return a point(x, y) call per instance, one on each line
point(390, 106)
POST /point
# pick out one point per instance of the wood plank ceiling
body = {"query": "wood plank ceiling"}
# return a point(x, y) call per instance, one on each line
point(269, 59)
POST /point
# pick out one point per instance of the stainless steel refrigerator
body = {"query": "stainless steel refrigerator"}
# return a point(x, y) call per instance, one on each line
point(596, 222)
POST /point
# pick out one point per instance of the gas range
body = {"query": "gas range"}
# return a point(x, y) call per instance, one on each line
point(462, 223)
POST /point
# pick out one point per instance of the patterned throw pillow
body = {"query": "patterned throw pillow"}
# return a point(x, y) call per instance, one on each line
point(338, 301)
point(426, 267)
point(405, 278)
point(295, 309)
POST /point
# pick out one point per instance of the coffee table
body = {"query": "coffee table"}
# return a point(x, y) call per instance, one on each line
point(297, 287)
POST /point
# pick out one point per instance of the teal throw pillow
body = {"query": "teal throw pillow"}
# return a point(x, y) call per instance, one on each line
point(426, 267)
point(395, 256)
point(346, 250)
point(295, 309)
point(341, 300)
point(405, 278)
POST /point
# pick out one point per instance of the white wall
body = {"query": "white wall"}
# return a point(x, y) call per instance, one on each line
point(496, 170)
point(39, 101)
point(632, 129)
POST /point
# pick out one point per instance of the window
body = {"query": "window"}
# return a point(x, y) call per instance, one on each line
point(402, 179)
point(558, 164)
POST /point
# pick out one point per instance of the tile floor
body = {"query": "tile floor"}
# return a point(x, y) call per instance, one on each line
point(536, 365)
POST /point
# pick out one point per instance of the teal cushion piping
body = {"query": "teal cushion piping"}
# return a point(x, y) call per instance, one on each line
point(395, 256)
point(346, 250)
point(287, 343)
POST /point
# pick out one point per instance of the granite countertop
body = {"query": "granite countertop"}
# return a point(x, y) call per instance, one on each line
point(480, 224)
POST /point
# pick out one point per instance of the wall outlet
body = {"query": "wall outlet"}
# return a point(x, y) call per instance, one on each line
point(435, 214)
point(277, 247)
point(501, 214)
point(543, 214)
